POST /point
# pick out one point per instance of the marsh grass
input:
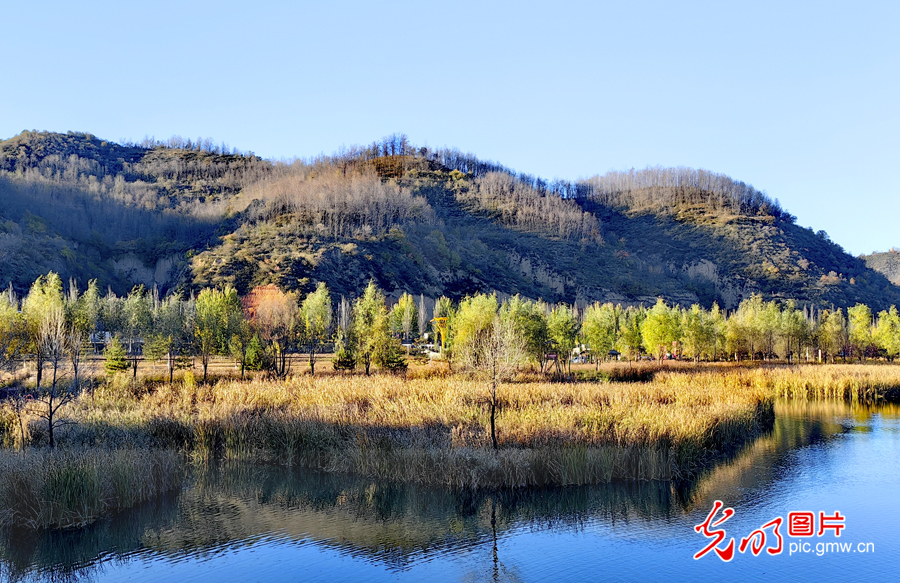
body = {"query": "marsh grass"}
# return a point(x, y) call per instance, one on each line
point(431, 429)
point(69, 488)
point(426, 428)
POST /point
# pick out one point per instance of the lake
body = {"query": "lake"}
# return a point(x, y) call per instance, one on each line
point(252, 523)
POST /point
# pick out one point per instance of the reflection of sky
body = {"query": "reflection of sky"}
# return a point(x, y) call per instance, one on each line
point(843, 462)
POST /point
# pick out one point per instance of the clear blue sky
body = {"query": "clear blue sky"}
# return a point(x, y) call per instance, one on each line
point(799, 99)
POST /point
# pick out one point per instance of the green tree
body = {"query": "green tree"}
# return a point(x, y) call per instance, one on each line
point(405, 314)
point(793, 329)
point(137, 319)
point(116, 356)
point(769, 326)
point(528, 320)
point(563, 328)
point(369, 324)
point(213, 317)
point(241, 337)
point(12, 337)
point(630, 336)
point(42, 309)
point(316, 314)
point(344, 356)
point(660, 329)
point(600, 329)
point(887, 332)
point(172, 331)
point(697, 333)
point(388, 354)
point(832, 332)
point(474, 316)
point(859, 321)
point(444, 313)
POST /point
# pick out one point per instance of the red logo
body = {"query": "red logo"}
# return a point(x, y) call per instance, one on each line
point(800, 524)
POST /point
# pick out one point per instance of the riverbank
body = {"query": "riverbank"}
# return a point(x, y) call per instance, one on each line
point(431, 430)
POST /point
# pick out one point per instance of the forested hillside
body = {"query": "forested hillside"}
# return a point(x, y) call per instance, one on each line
point(183, 214)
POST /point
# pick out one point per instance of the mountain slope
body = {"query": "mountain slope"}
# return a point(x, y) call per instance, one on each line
point(887, 263)
point(180, 215)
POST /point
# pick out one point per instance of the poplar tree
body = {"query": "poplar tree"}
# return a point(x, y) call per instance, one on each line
point(316, 314)
point(600, 329)
point(660, 329)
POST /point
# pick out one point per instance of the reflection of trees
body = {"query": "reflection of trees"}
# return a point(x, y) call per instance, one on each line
point(392, 524)
point(797, 424)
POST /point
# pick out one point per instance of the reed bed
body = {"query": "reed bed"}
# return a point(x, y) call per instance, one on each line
point(431, 430)
point(74, 487)
point(128, 442)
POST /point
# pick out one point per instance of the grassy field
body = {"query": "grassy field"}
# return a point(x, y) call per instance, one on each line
point(634, 423)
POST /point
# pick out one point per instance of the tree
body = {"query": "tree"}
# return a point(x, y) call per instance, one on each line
point(443, 319)
point(84, 311)
point(172, 331)
point(859, 320)
point(116, 356)
point(563, 329)
point(696, 332)
point(528, 320)
point(369, 324)
point(405, 314)
point(660, 329)
point(344, 356)
point(137, 318)
point(832, 332)
point(630, 338)
point(388, 353)
point(423, 316)
point(12, 337)
point(42, 307)
point(316, 315)
point(793, 328)
point(54, 338)
point(274, 315)
point(487, 346)
point(474, 316)
point(214, 316)
point(242, 336)
point(717, 327)
point(600, 329)
point(768, 323)
point(887, 332)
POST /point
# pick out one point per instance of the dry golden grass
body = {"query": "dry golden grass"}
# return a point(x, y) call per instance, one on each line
point(433, 427)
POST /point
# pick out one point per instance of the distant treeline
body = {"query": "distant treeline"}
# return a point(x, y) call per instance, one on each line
point(53, 326)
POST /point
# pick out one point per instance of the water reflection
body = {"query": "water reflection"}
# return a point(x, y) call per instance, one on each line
point(233, 507)
point(238, 505)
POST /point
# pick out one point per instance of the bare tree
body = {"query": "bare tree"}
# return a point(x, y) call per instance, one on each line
point(56, 341)
point(423, 321)
point(493, 353)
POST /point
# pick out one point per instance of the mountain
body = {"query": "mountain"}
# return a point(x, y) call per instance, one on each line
point(182, 214)
point(887, 263)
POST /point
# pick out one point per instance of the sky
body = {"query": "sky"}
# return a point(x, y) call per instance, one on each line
point(799, 99)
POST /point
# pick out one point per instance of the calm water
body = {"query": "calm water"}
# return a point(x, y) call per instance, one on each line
point(271, 524)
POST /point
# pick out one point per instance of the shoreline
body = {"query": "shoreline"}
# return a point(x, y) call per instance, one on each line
point(427, 431)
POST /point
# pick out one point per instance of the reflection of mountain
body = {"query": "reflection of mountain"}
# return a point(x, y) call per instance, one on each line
point(392, 524)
